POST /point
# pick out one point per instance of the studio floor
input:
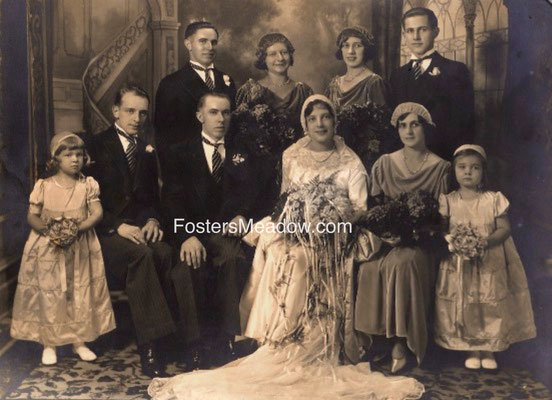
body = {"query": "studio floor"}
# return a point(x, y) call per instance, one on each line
point(116, 373)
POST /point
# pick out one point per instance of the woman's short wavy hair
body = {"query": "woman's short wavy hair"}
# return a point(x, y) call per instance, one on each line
point(358, 32)
point(268, 40)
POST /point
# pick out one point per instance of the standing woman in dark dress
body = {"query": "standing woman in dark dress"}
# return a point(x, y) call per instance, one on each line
point(359, 84)
point(252, 175)
point(276, 89)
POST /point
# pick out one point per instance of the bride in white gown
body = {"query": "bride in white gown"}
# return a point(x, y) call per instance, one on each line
point(297, 309)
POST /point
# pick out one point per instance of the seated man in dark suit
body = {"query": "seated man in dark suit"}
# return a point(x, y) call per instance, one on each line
point(443, 86)
point(130, 233)
point(192, 199)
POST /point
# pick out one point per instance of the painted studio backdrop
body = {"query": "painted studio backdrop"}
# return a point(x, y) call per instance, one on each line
point(62, 60)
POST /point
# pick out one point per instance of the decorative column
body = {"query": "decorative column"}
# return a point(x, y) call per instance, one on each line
point(469, 18)
point(164, 24)
point(40, 95)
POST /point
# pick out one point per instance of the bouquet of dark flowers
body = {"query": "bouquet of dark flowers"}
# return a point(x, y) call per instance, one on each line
point(466, 242)
point(406, 216)
point(62, 231)
point(263, 132)
point(366, 129)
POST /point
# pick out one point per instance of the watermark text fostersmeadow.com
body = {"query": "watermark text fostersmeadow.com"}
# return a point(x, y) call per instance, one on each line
point(208, 227)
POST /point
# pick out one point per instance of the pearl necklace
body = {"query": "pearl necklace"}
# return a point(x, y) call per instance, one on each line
point(419, 168)
point(349, 80)
point(311, 152)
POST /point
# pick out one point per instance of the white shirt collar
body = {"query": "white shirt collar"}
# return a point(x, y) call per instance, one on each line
point(427, 53)
point(199, 65)
point(211, 140)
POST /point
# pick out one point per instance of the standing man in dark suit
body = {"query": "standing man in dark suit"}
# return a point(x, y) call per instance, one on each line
point(443, 86)
point(178, 94)
point(130, 233)
point(192, 200)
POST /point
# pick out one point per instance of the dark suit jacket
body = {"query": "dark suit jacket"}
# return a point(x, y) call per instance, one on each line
point(176, 105)
point(125, 199)
point(251, 182)
point(447, 95)
point(189, 190)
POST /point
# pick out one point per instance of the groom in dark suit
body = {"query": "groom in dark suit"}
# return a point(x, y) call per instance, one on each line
point(130, 233)
point(178, 93)
point(192, 200)
point(443, 86)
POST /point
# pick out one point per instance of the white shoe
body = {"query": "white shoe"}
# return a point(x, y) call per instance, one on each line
point(488, 360)
point(473, 361)
point(49, 355)
point(84, 352)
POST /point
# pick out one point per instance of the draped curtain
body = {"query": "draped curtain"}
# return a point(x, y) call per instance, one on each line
point(386, 26)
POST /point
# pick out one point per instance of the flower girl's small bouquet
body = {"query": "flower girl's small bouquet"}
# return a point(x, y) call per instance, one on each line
point(62, 231)
point(466, 242)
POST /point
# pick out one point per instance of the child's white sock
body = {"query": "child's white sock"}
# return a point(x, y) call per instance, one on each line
point(84, 352)
point(473, 360)
point(49, 355)
point(488, 360)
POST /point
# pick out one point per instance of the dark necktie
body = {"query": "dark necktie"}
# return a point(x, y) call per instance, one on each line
point(216, 170)
point(417, 66)
point(208, 81)
point(130, 152)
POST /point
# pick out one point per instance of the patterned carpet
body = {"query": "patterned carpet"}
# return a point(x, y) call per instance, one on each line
point(116, 374)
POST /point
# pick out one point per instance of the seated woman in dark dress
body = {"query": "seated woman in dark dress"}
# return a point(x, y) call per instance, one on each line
point(394, 286)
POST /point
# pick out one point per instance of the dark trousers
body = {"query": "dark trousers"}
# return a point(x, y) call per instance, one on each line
point(152, 284)
point(218, 285)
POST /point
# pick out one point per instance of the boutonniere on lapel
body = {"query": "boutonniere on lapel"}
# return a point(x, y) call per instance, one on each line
point(237, 159)
point(149, 148)
point(227, 80)
point(435, 71)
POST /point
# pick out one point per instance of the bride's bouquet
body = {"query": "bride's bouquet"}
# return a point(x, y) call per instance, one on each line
point(315, 212)
point(264, 132)
point(62, 231)
point(466, 242)
point(366, 129)
point(406, 217)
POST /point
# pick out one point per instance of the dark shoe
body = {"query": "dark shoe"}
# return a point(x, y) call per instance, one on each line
point(150, 364)
point(196, 359)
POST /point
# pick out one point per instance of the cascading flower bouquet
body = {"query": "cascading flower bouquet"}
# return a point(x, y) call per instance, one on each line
point(319, 212)
point(406, 217)
point(62, 231)
point(366, 129)
point(318, 204)
point(466, 242)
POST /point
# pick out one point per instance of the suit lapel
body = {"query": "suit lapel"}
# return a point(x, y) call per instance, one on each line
point(219, 80)
point(200, 162)
point(115, 148)
point(192, 83)
point(140, 158)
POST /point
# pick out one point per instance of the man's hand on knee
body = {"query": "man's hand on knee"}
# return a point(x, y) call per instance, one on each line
point(132, 233)
point(152, 231)
point(193, 252)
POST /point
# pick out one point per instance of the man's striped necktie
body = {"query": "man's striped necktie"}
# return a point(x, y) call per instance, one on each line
point(417, 66)
point(130, 152)
point(208, 81)
point(217, 169)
